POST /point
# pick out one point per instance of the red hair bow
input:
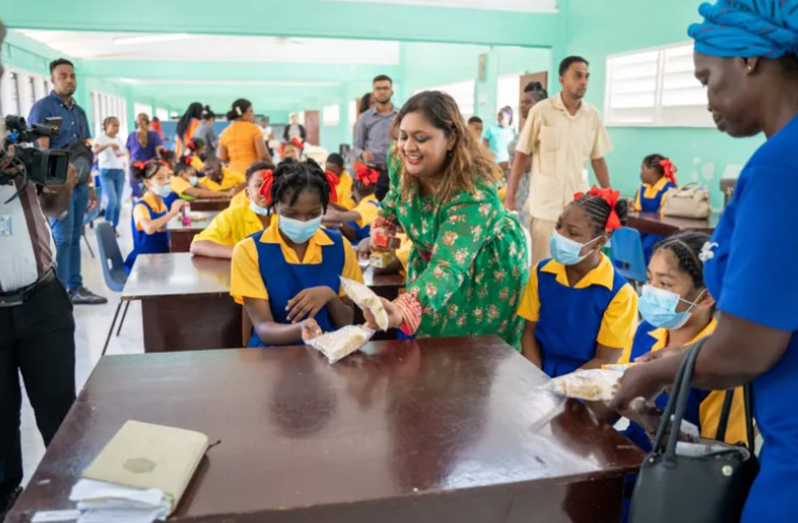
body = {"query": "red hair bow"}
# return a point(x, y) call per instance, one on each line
point(266, 189)
point(191, 145)
point(670, 170)
point(333, 180)
point(366, 175)
point(187, 160)
point(140, 165)
point(298, 142)
point(611, 197)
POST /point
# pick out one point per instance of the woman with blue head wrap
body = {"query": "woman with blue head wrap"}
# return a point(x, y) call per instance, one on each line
point(746, 54)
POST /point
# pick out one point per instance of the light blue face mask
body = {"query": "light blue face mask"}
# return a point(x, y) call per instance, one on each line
point(193, 181)
point(567, 251)
point(297, 231)
point(162, 190)
point(261, 211)
point(658, 307)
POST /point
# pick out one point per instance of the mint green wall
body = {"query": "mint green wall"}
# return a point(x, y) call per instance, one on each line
point(596, 28)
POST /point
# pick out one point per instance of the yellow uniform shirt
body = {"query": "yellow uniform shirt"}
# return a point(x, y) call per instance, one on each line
point(619, 322)
point(712, 406)
point(230, 179)
point(231, 226)
point(403, 252)
point(560, 145)
point(344, 192)
point(651, 191)
point(239, 200)
point(179, 185)
point(367, 210)
point(246, 280)
point(197, 164)
point(140, 212)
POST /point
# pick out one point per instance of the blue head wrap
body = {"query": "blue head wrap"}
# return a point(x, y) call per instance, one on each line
point(747, 28)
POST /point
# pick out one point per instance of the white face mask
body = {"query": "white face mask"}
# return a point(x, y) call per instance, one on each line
point(257, 209)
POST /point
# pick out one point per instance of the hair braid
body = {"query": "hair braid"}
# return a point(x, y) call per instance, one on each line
point(598, 210)
point(686, 247)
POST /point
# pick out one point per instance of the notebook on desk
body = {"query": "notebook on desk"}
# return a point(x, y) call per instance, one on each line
point(146, 456)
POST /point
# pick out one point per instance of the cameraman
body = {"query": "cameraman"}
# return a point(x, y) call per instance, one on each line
point(74, 130)
point(36, 324)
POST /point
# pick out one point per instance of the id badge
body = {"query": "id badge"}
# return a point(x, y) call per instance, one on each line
point(5, 225)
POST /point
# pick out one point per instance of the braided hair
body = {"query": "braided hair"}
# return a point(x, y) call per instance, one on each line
point(291, 178)
point(146, 170)
point(686, 248)
point(598, 211)
point(652, 162)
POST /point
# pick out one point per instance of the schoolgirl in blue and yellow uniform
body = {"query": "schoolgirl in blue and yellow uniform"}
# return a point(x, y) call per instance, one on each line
point(150, 212)
point(356, 223)
point(658, 175)
point(678, 311)
point(580, 312)
point(288, 275)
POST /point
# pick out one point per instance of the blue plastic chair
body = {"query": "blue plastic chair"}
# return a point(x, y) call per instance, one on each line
point(113, 270)
point(626, 253)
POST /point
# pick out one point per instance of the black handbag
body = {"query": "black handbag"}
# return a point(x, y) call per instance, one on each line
point(707, 488)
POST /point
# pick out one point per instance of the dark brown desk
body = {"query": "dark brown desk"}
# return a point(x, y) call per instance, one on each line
point(185, 302)
point(446, 430)
point(211, 204)
point(654, 223)
point(181, 236)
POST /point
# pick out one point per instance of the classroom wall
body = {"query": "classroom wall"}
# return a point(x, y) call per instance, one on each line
point(596, 28)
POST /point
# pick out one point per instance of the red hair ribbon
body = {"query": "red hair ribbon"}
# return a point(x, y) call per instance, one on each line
point(298, 142)
point(609, 196)
point(333, 180)
point(140, 165)
point(366, 175)
point(670, 170)
point(187, 160)
point(191, 145)
point(266, 189)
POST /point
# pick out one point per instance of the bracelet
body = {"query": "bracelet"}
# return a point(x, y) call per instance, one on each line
point(411, 310)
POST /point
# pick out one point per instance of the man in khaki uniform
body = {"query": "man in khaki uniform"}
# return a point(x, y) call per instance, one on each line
point(564, 132)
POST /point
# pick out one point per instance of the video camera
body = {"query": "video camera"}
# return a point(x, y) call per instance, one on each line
point(40, 166)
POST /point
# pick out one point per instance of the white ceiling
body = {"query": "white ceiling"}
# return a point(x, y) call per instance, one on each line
point(527, 6)
point(97, 45)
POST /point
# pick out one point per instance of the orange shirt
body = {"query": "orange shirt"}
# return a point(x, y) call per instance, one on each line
point(181, 140)
point(239, 139)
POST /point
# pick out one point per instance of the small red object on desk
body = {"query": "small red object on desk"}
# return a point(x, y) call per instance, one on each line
point(386, 241)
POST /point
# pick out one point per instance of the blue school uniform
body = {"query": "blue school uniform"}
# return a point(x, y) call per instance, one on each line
point(361, 233)
point(650, 199)
point(750, 270)
point(144, 243)
point(572, 320)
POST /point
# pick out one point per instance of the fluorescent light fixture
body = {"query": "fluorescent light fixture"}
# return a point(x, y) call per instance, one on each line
point(151, 38)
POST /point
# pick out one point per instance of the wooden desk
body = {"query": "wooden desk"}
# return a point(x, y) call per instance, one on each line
point(446, 430)
point(181, 236)
point(214, 204)
point(654, 223)
point(185, 302)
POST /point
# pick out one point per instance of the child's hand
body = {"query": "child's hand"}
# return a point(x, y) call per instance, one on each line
point(309, 302)
point(395, 318)
point(177, 206)
point(310, 330)
point(363, 249)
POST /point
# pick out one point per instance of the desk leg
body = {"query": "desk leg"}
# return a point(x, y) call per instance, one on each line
point(177, 323)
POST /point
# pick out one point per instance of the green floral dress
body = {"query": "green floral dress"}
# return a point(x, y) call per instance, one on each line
point(477, 268)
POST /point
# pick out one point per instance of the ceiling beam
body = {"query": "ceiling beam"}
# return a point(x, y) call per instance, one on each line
point(298, 18)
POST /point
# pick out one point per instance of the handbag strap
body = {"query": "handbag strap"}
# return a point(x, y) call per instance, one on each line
point(723, 423)
point(748, 399)
point(668, 412)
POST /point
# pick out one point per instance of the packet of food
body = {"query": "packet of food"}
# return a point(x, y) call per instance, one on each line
point(380, 260)
point(590, 385)
point(341, 343)
point(366, 300)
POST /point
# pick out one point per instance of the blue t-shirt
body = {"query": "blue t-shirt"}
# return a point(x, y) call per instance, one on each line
point(751, 271)
point(75, 125)
point(499, 139)
point(139, 153)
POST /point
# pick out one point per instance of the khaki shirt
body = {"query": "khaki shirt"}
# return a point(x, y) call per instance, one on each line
point(562, 144)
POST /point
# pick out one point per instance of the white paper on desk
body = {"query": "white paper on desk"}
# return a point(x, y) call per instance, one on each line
point(100, 501)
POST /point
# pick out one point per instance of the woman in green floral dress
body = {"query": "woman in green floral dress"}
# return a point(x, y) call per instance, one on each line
point(468, 266)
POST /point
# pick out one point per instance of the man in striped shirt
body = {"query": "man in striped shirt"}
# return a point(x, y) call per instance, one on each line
point(36, 323)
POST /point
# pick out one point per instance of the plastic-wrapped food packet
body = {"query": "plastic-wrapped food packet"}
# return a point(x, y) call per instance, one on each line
point(341, 343)
point(590, 385)
point(366, 300)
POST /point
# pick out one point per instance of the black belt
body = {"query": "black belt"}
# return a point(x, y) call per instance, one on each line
point(20, 296)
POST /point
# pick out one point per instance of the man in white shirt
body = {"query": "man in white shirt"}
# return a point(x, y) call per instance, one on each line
point(564, 132)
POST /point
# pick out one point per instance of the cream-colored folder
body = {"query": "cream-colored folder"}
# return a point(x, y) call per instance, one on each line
point(143, 455)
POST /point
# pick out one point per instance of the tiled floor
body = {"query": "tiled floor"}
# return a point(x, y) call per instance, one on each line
point(92, 323)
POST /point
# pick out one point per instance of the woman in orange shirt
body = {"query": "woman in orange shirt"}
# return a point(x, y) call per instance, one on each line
point(241, 143)
point(186, 126)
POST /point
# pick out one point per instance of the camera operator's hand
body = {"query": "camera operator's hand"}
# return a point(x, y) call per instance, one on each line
point(177, 206)
point(93, 200)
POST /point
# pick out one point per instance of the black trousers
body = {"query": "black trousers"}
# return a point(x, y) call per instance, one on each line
point(383, 182)
point(37, 339)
